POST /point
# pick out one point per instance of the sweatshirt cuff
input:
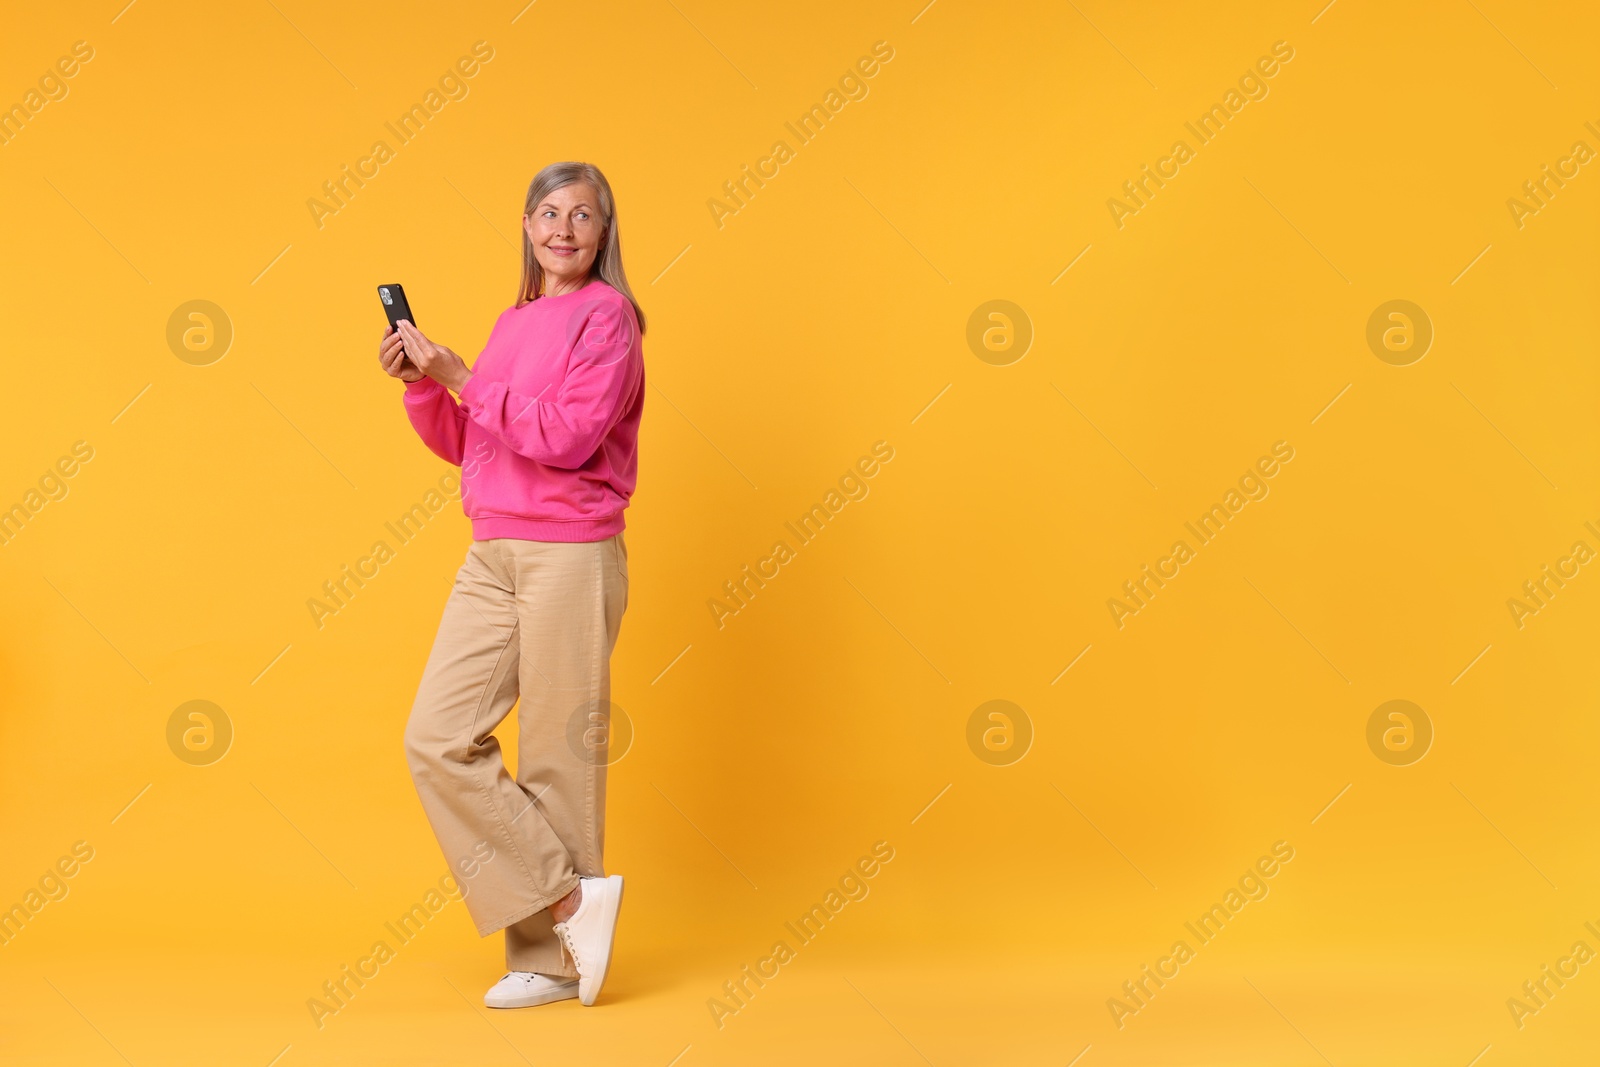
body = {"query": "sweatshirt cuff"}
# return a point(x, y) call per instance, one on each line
point(471, 394)
point(421, 387)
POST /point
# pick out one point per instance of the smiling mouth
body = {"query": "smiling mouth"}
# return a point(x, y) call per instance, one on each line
point(562, 250)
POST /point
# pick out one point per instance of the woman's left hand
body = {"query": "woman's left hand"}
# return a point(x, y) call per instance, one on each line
point(434, 360)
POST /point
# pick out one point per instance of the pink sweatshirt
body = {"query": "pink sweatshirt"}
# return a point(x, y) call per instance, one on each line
point(546, 430)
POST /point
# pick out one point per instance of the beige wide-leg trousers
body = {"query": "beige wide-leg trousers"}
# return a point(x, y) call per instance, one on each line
point(537, 619)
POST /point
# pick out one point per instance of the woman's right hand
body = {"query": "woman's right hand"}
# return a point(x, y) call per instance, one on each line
point(392, 357)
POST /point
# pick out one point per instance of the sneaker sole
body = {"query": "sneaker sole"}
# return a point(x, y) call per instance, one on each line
point(565, 992)
point(613, 906)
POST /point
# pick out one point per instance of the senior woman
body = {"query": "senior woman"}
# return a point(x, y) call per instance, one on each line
point(545, 428)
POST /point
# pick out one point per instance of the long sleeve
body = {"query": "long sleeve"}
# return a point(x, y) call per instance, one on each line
point(438, 418)
point(565, 430)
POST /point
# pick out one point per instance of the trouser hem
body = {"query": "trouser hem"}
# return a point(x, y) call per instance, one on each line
point(487, 928)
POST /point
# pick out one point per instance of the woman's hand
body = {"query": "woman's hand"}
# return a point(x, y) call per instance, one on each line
point(436, 361)
point(392, 358)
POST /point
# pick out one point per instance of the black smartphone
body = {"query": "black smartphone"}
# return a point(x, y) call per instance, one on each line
point(396, 307)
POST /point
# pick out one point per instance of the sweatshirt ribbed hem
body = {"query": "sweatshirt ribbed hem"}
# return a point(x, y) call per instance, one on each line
point(491, 526)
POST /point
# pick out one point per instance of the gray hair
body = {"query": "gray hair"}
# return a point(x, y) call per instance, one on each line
point(608, 261)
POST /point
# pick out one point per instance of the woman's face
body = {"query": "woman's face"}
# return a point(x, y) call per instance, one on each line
point(566, 231)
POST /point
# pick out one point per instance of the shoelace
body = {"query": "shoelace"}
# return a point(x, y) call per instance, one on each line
point(566, 940)
point(523, 976)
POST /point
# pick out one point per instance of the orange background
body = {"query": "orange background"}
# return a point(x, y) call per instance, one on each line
point(830, 312)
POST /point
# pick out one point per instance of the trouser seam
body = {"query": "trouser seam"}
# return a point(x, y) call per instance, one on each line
point(477, 780)
point(591, 771)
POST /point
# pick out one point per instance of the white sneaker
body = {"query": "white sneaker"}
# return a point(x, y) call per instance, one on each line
point(524, 989)
point(589, 933)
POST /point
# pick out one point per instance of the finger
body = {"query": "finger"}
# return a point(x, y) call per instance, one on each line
point(416, 344)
